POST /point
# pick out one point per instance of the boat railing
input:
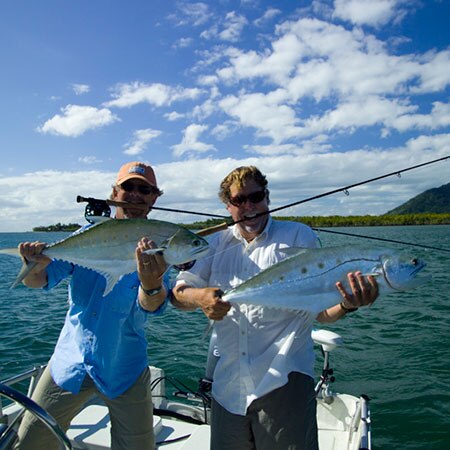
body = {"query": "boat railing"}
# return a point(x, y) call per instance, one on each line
point(32, 375)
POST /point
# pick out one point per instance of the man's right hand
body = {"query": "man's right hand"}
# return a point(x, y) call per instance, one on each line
point(208, 299)
point(31, 251)
point(211, 303)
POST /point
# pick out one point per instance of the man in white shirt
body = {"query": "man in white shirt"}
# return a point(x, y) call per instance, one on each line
point(263, 388)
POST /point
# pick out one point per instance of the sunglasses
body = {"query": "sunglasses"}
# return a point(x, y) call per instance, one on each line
point(254, 197)
point(144, 189)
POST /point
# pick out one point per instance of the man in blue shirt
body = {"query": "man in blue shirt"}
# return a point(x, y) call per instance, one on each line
point(102, 347)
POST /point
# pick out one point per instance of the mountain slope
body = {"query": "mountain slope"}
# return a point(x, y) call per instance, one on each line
point(436, 200)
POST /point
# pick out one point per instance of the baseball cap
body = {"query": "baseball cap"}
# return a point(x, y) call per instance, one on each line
point(138, 170)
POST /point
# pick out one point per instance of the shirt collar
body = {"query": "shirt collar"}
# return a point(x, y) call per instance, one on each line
point(259, 238)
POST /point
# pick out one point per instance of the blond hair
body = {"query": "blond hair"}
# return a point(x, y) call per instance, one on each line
point(239, 177)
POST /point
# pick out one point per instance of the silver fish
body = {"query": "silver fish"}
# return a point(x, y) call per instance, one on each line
point(306, 279)
point(109, 247)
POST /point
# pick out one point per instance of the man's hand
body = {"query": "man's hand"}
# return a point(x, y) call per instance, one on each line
point(364, 290)
point(208, 299)
point(211, 303)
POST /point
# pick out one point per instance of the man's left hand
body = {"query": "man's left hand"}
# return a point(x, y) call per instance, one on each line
point(364, 290)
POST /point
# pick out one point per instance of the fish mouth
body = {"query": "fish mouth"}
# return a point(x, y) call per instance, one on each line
point(418, 267)
point(200, 251)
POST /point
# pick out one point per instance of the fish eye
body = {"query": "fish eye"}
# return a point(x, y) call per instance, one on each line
point(414, 261)
point(196, 243)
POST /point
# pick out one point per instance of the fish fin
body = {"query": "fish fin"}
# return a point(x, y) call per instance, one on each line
point(110, 282)
point(208, 329)
point(24, 271)
point(292, 251)
point(10, 251)
point(155, 251)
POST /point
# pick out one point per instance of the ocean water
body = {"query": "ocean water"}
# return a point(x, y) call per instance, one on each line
point(397, 351)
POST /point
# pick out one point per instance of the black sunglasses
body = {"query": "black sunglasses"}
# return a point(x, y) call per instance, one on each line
point(254, 197)
point(144, 189)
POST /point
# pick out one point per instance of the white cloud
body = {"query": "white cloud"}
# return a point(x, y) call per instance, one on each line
point(183, 43)
point(233, 27)
point(130, 94)
point(228, 29)
point(265, 113)
point(140, 140)
point(80, 89)
point(89, 160)
point(190, 142)
point(196, 13)
point(75, 120)
point(268, 15)
point(352, 78)
point(369, 12)
point(48, 197)
point(173, 115)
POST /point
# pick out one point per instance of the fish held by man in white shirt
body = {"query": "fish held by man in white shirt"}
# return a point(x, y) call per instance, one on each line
point(306, 280)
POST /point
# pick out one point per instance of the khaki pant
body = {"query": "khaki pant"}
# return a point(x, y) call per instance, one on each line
point(284, 419)
point(131, 414)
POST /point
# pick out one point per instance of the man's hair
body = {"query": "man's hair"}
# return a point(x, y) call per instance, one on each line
point(239, 177)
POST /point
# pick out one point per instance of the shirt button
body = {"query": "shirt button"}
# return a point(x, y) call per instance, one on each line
point(243, 353)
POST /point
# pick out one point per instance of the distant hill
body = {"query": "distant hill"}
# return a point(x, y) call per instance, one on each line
point(436, 200)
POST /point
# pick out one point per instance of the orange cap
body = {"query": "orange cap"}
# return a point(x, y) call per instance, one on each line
point(136, 170)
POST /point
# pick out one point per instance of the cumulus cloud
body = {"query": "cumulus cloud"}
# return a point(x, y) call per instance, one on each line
point(369, 12)
point(140, 140)
point(190, 142)
point(75, 120)
point(48, 197)
point(351, 73)
point(157, 94)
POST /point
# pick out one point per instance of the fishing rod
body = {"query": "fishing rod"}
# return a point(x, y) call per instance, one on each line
point(101, 207)
point(350, 186)
point(228, 222)
point(344, 189)
point(413, 244)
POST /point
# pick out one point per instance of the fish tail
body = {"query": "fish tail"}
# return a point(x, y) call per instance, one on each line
point(24, 271)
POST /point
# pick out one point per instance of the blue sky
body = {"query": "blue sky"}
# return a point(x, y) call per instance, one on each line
point(317, 94)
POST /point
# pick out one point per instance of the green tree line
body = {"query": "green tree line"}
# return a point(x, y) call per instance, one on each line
point(58, 227)
point(349, 221)
point(313, 221)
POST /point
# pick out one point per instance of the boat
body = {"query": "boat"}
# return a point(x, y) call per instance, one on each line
point(182, 415)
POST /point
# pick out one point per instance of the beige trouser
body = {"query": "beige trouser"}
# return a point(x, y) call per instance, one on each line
point(131, 414)
point(284, 419)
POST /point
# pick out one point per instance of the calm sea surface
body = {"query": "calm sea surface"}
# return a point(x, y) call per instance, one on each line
point(397, 352)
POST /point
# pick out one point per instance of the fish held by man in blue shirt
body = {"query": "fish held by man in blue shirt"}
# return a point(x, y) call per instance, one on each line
point(109, 247)
point(306, 278)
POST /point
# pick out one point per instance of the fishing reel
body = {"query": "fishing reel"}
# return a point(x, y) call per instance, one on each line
point(94, 208)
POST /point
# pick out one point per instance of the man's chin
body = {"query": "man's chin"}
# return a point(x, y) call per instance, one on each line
point(134, 213)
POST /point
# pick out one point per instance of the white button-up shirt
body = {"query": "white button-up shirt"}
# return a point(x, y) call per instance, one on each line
point(258, 346)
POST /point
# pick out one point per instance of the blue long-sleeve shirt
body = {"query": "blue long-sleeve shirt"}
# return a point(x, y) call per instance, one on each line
point(103, 337)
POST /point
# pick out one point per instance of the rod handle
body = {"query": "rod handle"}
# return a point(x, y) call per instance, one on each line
point(211, 230)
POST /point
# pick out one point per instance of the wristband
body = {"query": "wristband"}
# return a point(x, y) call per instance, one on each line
point(151, 292)
point(347, 310)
